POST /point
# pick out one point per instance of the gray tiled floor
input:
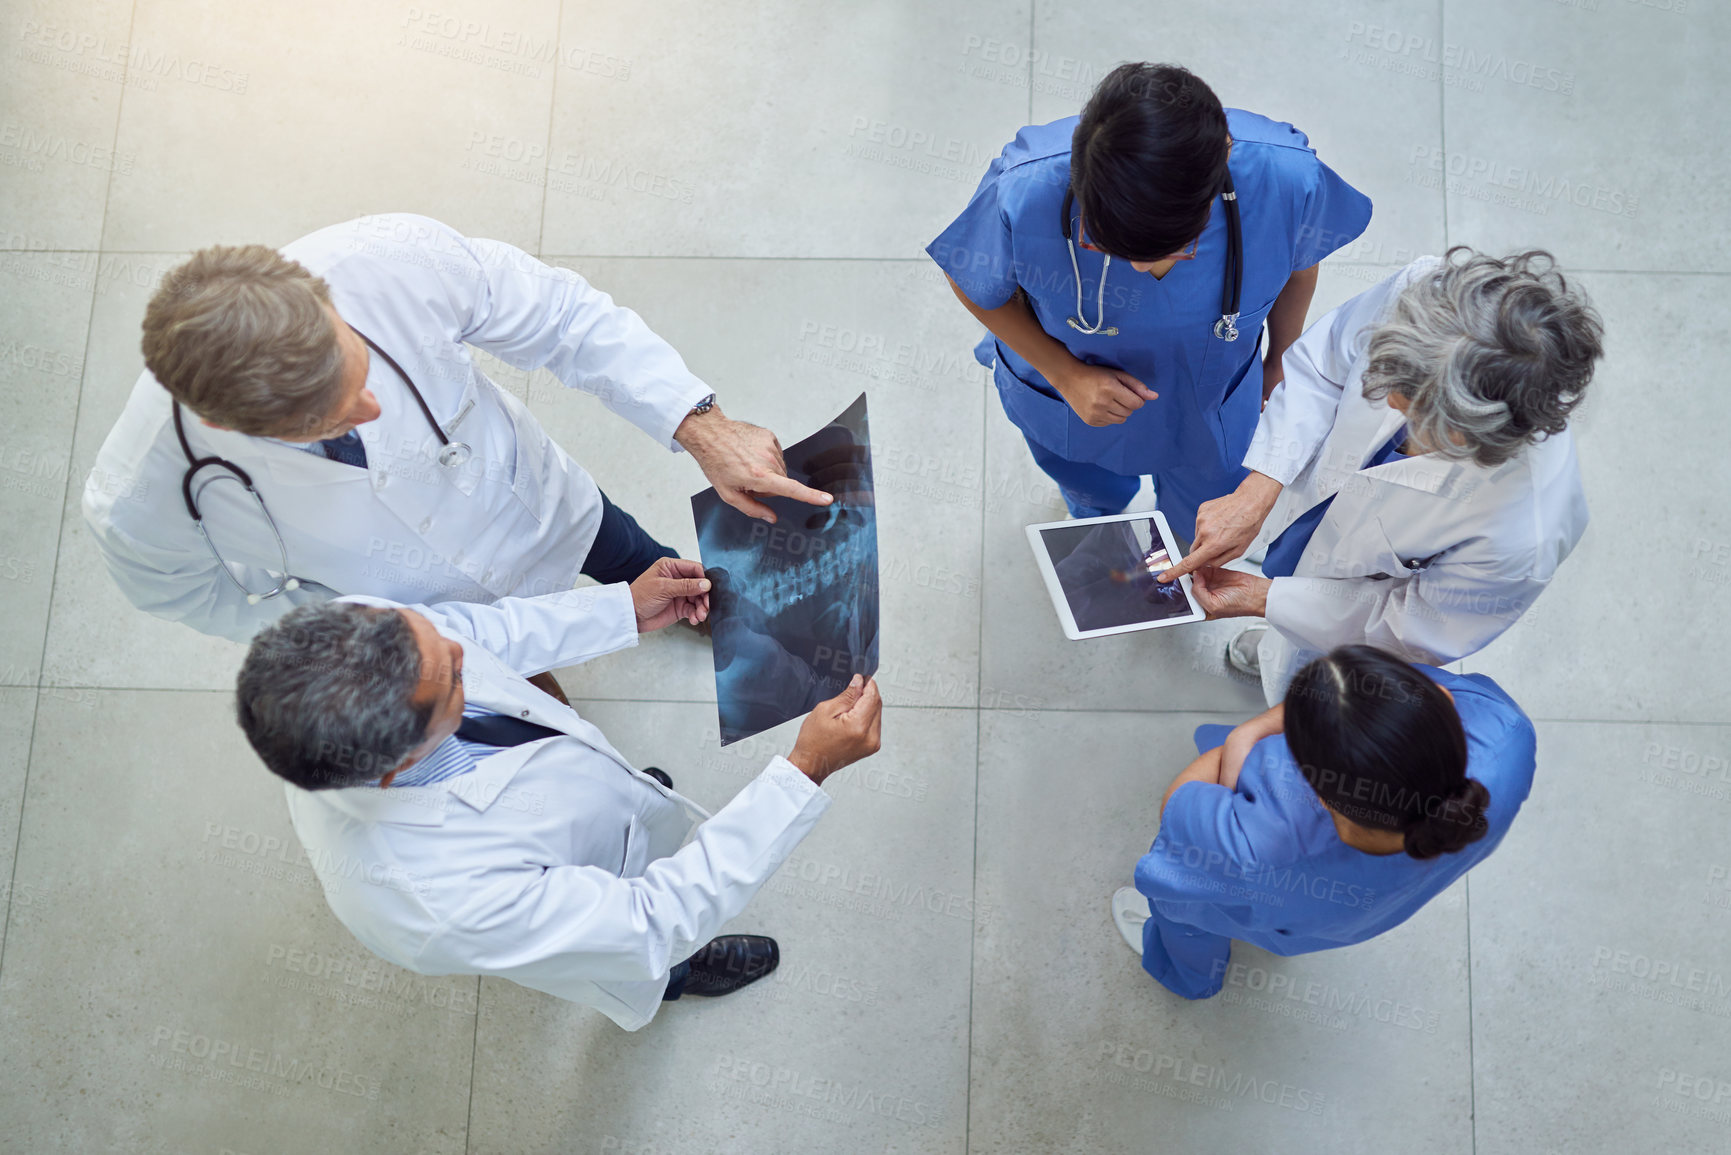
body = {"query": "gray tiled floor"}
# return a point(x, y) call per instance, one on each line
point(758, 182)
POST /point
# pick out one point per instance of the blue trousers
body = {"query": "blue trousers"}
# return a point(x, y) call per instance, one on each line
point(1093, 491)
point(676, 981)
point(622, 550)
point(1187, 961)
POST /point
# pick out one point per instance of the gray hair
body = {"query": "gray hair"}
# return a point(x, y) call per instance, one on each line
point(1494, 352)
point(324, 694)
point(240, 335)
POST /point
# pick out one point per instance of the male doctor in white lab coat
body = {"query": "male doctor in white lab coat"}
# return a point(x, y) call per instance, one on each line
point(337, 376)
point(463, 822)
point(1419, 468)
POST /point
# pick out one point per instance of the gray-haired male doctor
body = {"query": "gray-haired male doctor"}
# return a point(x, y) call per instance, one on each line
point(511, 837)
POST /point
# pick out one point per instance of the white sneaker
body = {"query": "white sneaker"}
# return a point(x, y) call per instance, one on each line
point(1241, 650)
point(1129, 912)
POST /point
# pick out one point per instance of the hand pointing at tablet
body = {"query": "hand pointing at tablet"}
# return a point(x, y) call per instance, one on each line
point(1226, 526)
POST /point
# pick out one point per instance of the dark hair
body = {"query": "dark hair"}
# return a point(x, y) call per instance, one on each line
point(1498, 351)
point(1382, 745)
point(324, 694)
point(1147, 160)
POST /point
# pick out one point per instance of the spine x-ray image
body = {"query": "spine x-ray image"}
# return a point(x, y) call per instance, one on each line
point(794, 605)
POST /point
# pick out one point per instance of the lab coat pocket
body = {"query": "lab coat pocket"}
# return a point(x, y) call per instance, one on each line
point(636, 856)
point(1384, 560)
point(528, 484)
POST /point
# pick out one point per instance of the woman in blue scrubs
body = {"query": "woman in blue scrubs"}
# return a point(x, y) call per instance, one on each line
point(1329, 819)
point(1095, 252)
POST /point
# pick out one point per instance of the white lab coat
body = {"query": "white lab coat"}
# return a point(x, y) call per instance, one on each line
point(554, 864)
point(518, 518)
point(1428, 558)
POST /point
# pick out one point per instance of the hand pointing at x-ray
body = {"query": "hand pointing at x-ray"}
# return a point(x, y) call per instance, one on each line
point(743, 462)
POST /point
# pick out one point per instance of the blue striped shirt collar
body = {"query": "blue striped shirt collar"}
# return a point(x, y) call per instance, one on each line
point(449, 758)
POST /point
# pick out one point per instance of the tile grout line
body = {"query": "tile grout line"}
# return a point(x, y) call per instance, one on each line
point(552, 111)
point(540, 239)
point(60, 535)
point(919, 261)
point(1472, 1064)
point(979, 710)
point(1548, 720)
point(1472, 1024)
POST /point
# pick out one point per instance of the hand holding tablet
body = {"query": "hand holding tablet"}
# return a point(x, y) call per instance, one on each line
point(1101, 573)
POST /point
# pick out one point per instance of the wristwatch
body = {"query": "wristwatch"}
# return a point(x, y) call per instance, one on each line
point(703, 406)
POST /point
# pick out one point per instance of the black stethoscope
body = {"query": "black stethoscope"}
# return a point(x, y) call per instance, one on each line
point(1232, 282)
point(451, 455)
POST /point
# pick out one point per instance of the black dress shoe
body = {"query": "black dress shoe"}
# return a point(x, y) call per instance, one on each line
point(659, 775)
point(729, 962)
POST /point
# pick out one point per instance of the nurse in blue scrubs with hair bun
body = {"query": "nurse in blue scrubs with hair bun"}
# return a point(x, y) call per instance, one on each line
point(1125, 263)
point(1328, 820)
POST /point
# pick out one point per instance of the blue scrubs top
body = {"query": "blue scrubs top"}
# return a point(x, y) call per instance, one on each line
point(1295, 211)
point(1264, 865)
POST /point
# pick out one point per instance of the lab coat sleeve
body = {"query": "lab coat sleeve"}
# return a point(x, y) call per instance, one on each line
point(1437, 615)
point(533, 316)
point(588, 923)
point(1319, 366)
point(548, 632)
point(175, 577)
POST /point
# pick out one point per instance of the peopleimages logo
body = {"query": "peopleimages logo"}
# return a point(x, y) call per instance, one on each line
point(223, 1059)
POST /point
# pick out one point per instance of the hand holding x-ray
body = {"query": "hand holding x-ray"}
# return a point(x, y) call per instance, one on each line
point(794, 606)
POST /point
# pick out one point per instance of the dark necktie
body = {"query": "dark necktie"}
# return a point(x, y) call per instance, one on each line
point(346, 449)
point(503, 730)
point(1281, 560)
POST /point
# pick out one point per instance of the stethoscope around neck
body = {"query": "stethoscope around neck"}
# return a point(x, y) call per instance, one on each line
point(452, 454)
point(1231, 286)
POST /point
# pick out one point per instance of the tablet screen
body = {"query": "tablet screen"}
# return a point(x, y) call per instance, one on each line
point(1106, 571)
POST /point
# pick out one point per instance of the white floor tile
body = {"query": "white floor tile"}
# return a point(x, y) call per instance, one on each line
point(858, 1042)
point(326, 111)
point(60, 86)
point(183, 986)
point(44, 314)
point(781, 130)
point(1577, 127)
point(1600, 988)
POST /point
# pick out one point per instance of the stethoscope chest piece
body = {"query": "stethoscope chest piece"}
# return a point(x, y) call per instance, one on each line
point(1227, 327)
point(454, 454)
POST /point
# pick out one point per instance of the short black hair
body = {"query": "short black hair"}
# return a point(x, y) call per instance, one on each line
point(324, 695)
point(1147, 160)
point(1383, 746)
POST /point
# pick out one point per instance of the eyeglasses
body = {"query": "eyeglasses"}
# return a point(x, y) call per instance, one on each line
point(1185, 254)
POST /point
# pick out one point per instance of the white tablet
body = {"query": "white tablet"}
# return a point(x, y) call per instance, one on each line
point(1100, 573)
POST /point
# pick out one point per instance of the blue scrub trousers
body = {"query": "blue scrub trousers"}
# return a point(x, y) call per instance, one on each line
point(1187, 961)
point(622, 550)
point(1094, 491)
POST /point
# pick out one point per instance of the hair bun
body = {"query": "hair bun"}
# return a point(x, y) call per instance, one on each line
point(1456, 822)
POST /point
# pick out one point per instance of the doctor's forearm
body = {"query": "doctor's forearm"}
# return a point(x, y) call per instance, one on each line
point(1286, 318)
point(1014, 324)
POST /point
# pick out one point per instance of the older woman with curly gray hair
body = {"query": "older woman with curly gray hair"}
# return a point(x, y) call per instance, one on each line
point(1417, 465)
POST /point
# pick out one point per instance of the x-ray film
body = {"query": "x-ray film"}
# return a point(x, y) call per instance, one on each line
point(793, 608)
